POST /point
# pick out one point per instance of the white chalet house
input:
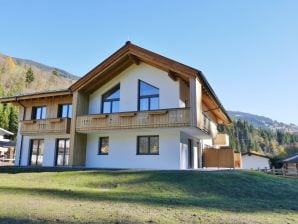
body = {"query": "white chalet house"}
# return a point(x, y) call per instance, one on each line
point(136, 109)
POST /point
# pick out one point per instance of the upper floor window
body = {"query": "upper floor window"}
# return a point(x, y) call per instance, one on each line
point(65, 110)
point(111, 100)
point(148, 96)
point(39, 113)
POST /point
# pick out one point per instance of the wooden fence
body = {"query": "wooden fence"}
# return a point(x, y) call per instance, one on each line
point(222, 158)
point(282, 172)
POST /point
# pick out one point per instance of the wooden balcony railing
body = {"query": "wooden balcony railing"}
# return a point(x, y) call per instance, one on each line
point(46, 126)
point(128, 120)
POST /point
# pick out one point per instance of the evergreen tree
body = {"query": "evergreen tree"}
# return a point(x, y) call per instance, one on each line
point(29, 76)
point(13, 120)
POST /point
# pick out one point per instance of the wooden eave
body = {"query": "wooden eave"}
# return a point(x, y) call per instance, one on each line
point(33, 96)
point(123, 58)
point(131, 54)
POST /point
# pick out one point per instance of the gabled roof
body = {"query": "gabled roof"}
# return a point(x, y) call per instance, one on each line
point(5, 132)
point(291, 159)
point(132, 54)
point(253, 153)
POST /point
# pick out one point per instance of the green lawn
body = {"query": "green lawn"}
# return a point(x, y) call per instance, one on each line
point(91, 196)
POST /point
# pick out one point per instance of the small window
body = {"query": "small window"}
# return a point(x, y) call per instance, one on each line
point(39, 113)
point(148, 97)
point(148, 145)
point(103, 148)
point(65, 110)
point(111, 100)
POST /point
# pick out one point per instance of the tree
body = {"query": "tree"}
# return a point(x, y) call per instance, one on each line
point(4, 120)
point(55, 73)
point(13, 120)
point(29, 76)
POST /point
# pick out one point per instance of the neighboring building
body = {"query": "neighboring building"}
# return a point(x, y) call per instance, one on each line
point(136, 109)
point(254, 160)
point(6, 147)
point(291, 164)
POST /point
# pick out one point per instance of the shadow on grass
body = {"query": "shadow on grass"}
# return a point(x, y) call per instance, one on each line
point(10, 220)
point(38, 169)
point(230, 191)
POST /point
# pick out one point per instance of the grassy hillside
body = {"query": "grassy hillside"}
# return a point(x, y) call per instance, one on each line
point(146, 197)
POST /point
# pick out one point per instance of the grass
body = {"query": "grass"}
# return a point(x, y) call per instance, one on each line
point(93, 196)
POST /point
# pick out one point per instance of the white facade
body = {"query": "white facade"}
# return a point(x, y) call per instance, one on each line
point(49, 155)
point(254, 162)
point(169, 96)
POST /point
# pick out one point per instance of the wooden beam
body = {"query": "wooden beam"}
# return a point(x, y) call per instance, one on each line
point(134, 59)
point(173, 75)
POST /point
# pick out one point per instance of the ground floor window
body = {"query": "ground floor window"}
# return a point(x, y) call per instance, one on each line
point(62, 155)
point(148, 145)
point(103, 148)
point(36, 152)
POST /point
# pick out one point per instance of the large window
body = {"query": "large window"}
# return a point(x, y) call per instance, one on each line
point(36, 152)
point(148, 145)
point(39, 113)
point(62, 153)
point(111, 100)
point(148, 97)
point(65, 110)
point(103, 148)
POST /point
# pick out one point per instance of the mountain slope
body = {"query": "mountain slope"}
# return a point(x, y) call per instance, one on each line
point(263, 122)
point(13, 76)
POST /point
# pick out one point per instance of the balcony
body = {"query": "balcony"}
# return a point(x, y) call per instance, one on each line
point(130, 120)
point(46, 126)
point(221, 140)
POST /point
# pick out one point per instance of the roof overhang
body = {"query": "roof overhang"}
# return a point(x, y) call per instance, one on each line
point(255, 154)
point(38, 95)
point(131, 54)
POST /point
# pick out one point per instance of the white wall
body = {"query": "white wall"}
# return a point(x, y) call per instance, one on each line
point(184, 151)
point(123, 151)
point(128, 79)
point(254, 162)
point(49, 154)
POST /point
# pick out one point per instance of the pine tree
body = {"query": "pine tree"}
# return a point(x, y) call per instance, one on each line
point(29, 76)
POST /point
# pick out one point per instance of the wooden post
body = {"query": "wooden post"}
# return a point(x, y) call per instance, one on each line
point(195, 102)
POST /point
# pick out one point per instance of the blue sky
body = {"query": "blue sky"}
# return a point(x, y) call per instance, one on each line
point(248, 50)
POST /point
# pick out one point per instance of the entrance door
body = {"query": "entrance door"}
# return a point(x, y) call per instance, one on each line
point(190, 154)
point(62, 153)
point(36, 152)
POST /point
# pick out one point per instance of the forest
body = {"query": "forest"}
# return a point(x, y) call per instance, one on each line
point(244, 137)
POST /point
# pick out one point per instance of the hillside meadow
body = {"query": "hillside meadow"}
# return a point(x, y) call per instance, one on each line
point(118, 196)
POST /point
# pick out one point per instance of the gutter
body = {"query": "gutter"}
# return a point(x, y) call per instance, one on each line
point(22, 136)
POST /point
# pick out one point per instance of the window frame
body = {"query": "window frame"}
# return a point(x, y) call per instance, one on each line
point(149, 137)
point(99, 151)
point(149, 97)
point(34, 112)
point(64, 154)
point(38, 150)
point(115, 88)
point(60, 110)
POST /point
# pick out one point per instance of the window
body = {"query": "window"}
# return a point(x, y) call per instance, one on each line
point(62, 152)
point(36, 152)
point(65, 111)
point(148, 97)
point(111, 100)
point(148, 145)
point(39, 113)
point(103, 148)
